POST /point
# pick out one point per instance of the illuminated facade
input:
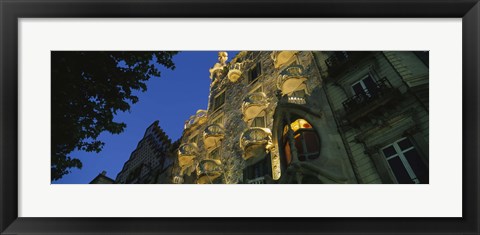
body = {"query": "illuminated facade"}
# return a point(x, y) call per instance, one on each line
point(310, 117)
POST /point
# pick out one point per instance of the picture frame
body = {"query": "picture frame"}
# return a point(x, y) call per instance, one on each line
point(11, 11)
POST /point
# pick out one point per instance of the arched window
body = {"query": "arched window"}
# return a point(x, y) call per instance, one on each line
point(306, 141)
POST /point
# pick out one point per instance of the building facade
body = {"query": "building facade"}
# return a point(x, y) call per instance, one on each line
point(310, 117)
point(150, 161)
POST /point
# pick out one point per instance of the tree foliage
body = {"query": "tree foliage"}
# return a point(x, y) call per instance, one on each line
point(88, 89)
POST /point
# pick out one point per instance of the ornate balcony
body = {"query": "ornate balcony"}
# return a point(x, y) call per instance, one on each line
point(212, 135)
point(208, 170)
point(362, 104)
point(282, 57)
point(235, 72)
point(340, 60)
point(253, 105)
point(198, 119)
point(187, 154)
point(255, 141)
point(291, 80)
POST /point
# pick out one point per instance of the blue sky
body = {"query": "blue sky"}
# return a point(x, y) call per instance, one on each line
point(171, 99)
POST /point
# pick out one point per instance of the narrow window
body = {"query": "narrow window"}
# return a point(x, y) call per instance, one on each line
point(218, 101)
point(258, 122)
point(255, 72)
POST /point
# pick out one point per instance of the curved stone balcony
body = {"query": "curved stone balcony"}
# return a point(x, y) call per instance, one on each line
point(212, 135)
point(235, 72)
point(282, 57)
point(198, 119)
point(187, 154)
point(253, 105)
point(208, 170)
point(255, 141)
point(291, 80)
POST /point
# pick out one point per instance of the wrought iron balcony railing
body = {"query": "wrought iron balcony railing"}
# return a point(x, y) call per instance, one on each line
point(340, 60)
point(370, 99)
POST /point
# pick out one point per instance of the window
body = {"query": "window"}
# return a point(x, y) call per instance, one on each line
point(255, 72)
point(258, 122)
point(306, 141)
point(218, 101)
point(255, 173)
point(366, 86)
point(406, 163)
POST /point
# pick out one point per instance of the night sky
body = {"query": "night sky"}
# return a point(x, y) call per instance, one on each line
point(171, 99)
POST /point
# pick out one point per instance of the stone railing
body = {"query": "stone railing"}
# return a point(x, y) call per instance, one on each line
point(258, 180)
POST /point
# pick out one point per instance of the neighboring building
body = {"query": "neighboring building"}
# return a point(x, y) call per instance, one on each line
point(310, 117)
point(149, 160)
point(102, 178)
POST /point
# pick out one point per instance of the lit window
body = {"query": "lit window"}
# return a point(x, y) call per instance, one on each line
point(405, 162)
point(306, 141)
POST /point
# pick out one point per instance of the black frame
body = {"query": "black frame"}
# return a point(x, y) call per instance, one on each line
point(11, 10)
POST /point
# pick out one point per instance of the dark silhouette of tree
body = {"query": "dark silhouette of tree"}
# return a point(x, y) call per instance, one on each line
point(88, 89)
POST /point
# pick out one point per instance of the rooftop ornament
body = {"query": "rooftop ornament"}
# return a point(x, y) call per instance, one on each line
point(217, 70)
